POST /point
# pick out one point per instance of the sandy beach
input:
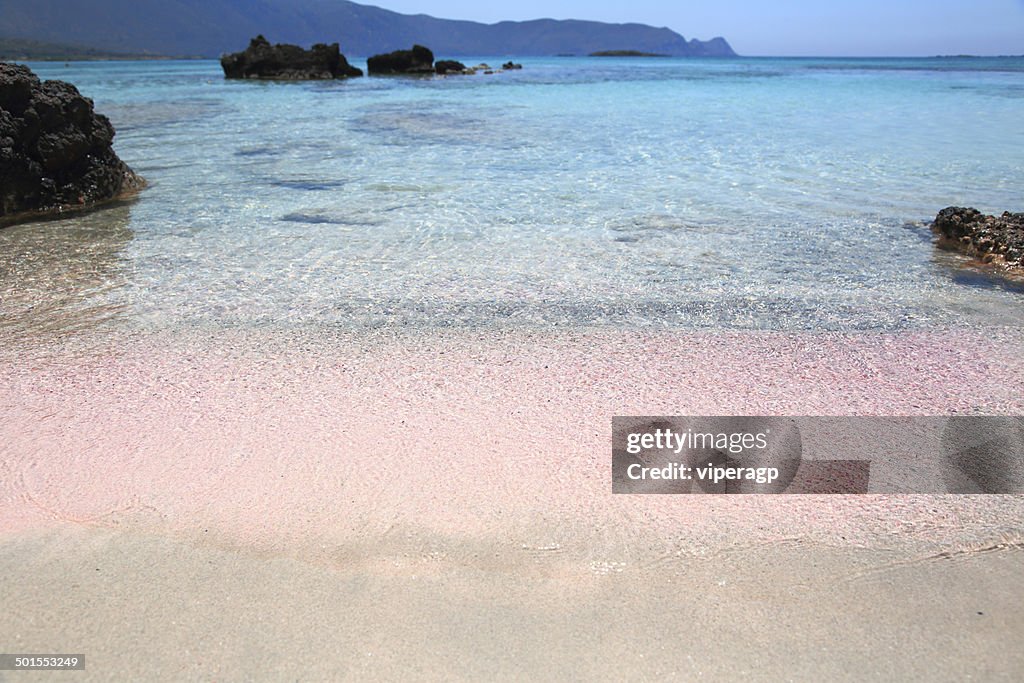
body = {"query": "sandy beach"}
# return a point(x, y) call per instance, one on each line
point(139, 604)
point(222, 504)
point(565, 349)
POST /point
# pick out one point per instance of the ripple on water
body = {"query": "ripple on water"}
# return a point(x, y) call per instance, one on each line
point(309, 183)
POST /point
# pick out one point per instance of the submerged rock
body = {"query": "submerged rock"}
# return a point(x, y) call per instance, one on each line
point(992, 239)
point(55, 151)
point(283, 62)
point(418, 60)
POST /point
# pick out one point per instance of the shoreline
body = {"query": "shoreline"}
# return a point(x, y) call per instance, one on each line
point(134, 186)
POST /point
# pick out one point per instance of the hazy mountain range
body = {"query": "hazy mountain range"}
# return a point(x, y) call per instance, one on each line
point(208, 28)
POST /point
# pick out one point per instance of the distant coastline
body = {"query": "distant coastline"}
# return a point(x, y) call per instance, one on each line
point(21, 49)
point(975, 57)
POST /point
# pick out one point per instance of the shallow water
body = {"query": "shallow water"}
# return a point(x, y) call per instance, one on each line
point(746, 194)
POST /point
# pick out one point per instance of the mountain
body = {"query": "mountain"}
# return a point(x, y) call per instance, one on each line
point(208, 28)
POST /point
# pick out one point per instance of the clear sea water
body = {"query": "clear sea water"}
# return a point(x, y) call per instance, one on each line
point(637, 193)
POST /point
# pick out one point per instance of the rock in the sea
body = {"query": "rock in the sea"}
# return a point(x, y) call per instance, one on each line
point(508, 66)
point(55, 151)
point(993, 239)
point(450, 66)
point(283, 62)
point(418, 60)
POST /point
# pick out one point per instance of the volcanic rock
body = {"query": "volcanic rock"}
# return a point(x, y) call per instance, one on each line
point(418, 60)
point(55, 151)
point(283, 62)
point(992, 239)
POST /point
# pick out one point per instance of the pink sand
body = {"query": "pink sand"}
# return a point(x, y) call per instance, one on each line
point(290, 443)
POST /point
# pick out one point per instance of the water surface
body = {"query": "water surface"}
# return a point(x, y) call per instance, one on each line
point(633, 193)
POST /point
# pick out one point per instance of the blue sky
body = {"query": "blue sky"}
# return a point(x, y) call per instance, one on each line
point(783, 27)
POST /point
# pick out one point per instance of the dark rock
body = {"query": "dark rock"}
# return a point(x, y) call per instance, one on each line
point(508, 66)
point(283, 62)
point(418, 60)
point(446, 66)
point(55, 152)
point(992, 239)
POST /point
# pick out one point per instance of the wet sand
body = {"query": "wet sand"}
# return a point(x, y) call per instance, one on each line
point(152, 607)
point(324, 506)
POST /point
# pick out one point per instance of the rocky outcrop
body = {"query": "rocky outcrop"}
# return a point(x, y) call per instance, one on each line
point(509, 66)
point(282, 62)
point(418, 60)
point(450, 66)
point(55, 151)
point(992, 239)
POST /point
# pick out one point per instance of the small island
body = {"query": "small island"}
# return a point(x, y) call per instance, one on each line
point(625, 53)
point(417, 60)
point(284, 62)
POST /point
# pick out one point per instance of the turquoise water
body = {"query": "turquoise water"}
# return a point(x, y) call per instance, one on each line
point(751, 193)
